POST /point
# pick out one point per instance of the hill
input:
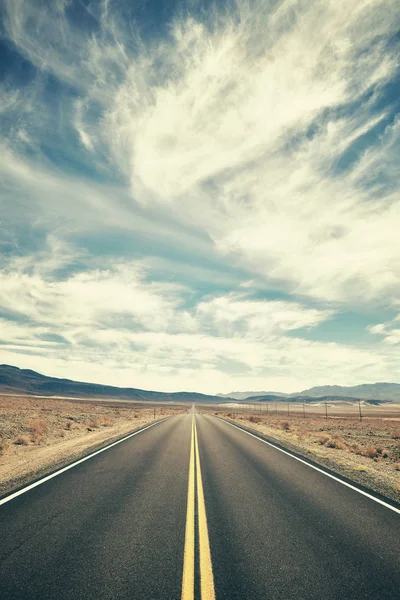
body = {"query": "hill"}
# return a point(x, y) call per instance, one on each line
point(381, 392)
point(244, 395)
point(367, 391)
point(315, 399)
point(24, 381)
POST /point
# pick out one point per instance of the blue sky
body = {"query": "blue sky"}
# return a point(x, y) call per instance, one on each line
point(200, 196)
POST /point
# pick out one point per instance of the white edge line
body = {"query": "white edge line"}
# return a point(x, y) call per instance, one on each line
point(352, 487)
point(74, 464)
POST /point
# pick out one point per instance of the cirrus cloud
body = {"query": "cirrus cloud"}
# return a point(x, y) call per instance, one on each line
point(204, 197)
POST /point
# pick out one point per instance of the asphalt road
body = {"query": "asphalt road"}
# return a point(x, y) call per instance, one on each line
point(119, 525)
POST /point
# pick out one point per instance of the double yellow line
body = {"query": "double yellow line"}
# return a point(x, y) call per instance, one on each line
point(206, 573)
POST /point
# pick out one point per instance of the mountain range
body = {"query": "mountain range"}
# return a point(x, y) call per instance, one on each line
point(24, 381)
point(389, 392)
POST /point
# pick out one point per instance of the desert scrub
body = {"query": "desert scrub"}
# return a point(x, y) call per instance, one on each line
point(371, 452)
point(38, 429)
point(323, 438)
point(336, 443)
point(105, 421)
point(71, 425)
point(255, 420)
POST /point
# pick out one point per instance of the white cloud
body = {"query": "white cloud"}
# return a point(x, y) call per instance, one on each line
point(223, 141)
point(235, 136)
point(141, 334)
point(236, 315)
point(236, 125)
point(390, 331)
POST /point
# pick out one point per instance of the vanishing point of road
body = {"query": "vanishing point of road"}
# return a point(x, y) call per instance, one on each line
point(195, 508)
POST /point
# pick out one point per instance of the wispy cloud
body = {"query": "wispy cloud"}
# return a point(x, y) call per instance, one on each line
point(259, 138)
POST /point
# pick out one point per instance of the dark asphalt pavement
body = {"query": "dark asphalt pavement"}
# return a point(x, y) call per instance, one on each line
point(114, 526)
point(281, 530)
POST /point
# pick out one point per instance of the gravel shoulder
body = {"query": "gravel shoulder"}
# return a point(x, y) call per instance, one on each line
point(38, 436)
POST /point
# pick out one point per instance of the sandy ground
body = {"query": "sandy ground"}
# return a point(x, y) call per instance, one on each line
point(367, 452)
point(39, 435)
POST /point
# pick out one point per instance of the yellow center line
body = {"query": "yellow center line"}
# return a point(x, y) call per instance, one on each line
point(206, 572)
point(188, 561)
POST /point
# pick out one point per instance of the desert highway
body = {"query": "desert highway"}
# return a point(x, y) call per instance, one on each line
point(194, 508)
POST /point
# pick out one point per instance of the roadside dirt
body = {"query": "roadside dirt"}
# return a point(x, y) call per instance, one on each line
point(40, 435)
point(366, 452)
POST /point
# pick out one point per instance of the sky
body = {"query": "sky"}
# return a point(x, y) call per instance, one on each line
point(201, 196)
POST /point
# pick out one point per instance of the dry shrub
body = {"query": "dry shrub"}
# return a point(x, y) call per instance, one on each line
point(382, 451)
point(255, 419)
point(356, 448)
point(21, 440)
point(61, 433)
point(371, 452)
point(323, 438)
point(397, 466)
point(37, 428)
point(71, 425)
point(361, 468)
point(105, 421)
point(4, 446)
point(331, 442)
point(285, 426)
point(396, 435)
point(336, 443)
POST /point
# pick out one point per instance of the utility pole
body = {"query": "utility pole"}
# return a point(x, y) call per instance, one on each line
point(288, 411)
point(304, 411)
point(154, 412)
point(359, 408)
point(326, 410)
point(276, 408)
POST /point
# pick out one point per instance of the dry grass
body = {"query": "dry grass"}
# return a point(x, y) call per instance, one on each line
point(254, 419)
point(102, 421)
point(105, 421)
point(37, 428)
point(371, 452)
point(4, 446)
point(71, 425)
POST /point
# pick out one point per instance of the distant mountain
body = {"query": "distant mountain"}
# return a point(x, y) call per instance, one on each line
point(315, 399)
point(382, 392)
point(24, 381)
point(367, 391)
point(244, 395)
